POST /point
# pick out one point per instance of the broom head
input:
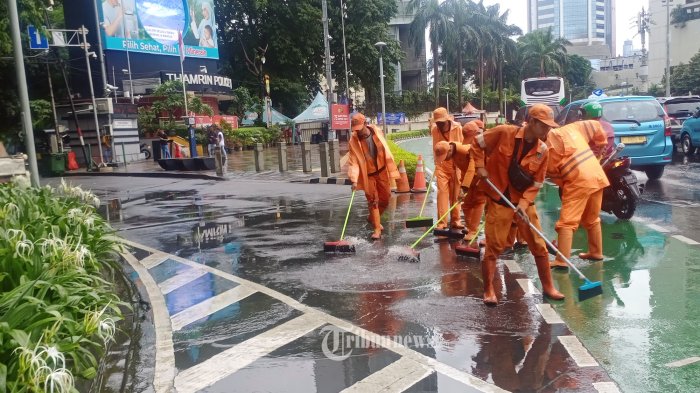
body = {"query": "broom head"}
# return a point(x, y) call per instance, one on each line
point(409, 255)
point(338, 247)
point(418, 222)
point(465, 250)
point(452, 234)
point(589, 289)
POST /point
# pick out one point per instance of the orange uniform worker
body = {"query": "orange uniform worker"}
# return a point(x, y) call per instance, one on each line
point(516, 165)
point(475, 199)
point(459, 154)
point(446, 173)
point(574, 167)
point(370, 167)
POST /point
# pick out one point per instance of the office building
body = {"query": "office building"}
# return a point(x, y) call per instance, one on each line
point(411, 73)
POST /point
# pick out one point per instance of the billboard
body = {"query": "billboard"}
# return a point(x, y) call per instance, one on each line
point(154, 26)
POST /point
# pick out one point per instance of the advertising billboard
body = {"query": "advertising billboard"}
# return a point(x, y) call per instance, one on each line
point(154, 26)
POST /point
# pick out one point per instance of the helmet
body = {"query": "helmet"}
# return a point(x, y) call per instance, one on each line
point(592, 110)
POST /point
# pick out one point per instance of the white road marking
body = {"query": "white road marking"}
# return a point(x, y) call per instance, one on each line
point(685, 240)
point(228, 362)
point(396, 377)
point(684, 362)
point(658, 228)
point(528, 286)
point(512, 266)
point(577, 351)
point(154, 260)
point(210, 306)
point(179, 280)
point(606, 387)
point(548, 313)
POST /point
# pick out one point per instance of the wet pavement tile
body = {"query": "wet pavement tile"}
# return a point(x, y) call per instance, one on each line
point(139, 253)
point(439, 383)
point(215, 333)
point(167, 269)
point(302, 366)
point(196, 291)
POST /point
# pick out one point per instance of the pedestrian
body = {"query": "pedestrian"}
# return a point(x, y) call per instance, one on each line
point(475, 199)
point(370, 168)
point(446, 173)
point(107, 148)
point(164, 144)
point(221, 143)
point(516, 165)
point(573, 166)
point(211, 140)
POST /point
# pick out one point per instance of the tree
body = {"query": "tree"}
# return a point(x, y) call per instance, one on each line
point(686, 77)
point(578, 76)
point(541, 51)
point(170, 100)
point(430, 14)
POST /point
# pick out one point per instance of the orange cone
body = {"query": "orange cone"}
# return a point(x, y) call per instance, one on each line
point(392, 184)
point(402, 184)
point(178, 152)
point(419, 179)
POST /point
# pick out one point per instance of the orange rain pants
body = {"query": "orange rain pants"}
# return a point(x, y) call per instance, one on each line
point(473, 208)
point(447, 176)
point(378, 194)
point(580, 206)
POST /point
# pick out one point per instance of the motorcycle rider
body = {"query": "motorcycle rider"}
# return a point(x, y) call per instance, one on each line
point(574, 167)
point(594, 111)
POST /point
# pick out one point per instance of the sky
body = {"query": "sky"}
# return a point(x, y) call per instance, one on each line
point(625, 14)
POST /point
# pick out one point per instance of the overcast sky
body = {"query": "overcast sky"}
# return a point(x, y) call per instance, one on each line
point(626, 11)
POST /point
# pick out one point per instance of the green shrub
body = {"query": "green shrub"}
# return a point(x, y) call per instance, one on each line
point(57, 307)
point(409, 159)
point(397, 136)
point(248, 136)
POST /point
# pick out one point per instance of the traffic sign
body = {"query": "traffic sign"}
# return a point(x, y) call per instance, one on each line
point(36, 40)
point(598, 92)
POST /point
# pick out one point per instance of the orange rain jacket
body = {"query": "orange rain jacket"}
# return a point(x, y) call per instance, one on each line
point(572, 163)
point(464, 162)
point(357, 162)
point(498, 144)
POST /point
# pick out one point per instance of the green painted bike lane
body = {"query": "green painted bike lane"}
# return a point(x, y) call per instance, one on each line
point(649, 313)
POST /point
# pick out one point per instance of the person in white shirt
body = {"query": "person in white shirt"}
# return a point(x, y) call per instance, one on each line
point(222, 144)
point(113, 18)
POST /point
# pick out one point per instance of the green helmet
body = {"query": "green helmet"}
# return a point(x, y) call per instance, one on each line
point(592, 110)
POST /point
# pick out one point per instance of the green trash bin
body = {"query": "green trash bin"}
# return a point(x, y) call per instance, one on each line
point(57, 164)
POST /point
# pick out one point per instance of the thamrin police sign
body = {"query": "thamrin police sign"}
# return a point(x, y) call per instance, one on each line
point(201, 82)
point(152, 26)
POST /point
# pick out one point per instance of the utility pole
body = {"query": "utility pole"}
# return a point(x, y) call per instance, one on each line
point(343, 9)
point(381, 46)
point(23, 93)
point(83, 32)
point(668, 47)
point(329, 77)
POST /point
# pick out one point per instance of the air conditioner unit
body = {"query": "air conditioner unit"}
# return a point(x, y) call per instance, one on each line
point(104, 105)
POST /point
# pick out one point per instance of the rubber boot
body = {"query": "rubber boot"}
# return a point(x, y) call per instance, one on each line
point(376, 222)
point(564, 239)
point(548, 288)
point(488, 273)
point(595, 244)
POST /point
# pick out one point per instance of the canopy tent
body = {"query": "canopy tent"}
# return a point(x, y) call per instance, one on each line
point(317, 111)
point(469, 109)
point(277, 118)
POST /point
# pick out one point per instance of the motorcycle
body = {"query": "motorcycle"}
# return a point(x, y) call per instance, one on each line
point(146, 150)
point(622, 195)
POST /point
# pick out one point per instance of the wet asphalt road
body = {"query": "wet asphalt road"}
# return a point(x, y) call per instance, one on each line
point(272, 233)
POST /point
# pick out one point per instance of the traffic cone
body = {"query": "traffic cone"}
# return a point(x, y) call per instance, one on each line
point(402, 184)
point(392, 184)
point(178, 152)
point(419, 179)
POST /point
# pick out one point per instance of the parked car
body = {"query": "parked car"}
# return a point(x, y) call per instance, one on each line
point(690, 133)
point(640, 123)
point(678, 110)
point(464, 118)
point(522, 113)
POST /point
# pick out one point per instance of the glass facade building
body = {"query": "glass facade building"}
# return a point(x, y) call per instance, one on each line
point(583, 22)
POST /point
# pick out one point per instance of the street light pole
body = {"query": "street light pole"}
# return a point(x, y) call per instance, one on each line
point(131, 81)
point(381, 46)
point(23, 93)
point(668, 47)
point(343, 8)
point(329, 76)
point(84, 31)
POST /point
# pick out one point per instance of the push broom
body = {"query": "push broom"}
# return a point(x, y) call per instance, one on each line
point(466, 250)
point(420, 221)
point(341, 246)
point(411, 254)
point(589, 288)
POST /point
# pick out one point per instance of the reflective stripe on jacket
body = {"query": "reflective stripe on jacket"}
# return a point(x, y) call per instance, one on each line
point(572, 163)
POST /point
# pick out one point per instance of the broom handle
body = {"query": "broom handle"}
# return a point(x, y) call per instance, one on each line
point(347, 215)
point(481, 227)
point(436, 223)
point(537, 231)
point(430, 186)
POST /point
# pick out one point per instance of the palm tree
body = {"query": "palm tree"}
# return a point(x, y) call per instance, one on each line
point(541, 50)
point(429, 14)
point(463, 32)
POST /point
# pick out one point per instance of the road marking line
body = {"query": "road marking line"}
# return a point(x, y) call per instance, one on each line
point(658, 228)
point(685, 240)
point(684, 362)
point(228, 362)
point(179, 280)
point(577, 351)
point(210, 306)
point(528, 286)
point(396, 377)
point(154, 260)
point(606, 387)
point(548, 313)
point(512, 266)
point(164, 373)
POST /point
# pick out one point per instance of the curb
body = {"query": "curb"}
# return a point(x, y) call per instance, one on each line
point(147, 174)
point(326, 180)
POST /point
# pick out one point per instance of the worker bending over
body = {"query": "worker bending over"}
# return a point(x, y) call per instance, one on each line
point(446, 173)
point(370, 167)
point(475, 199)
point(516, 165)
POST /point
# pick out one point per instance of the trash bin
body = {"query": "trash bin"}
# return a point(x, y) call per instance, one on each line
point(57, 164)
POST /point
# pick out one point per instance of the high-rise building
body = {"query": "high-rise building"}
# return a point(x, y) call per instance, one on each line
point(411, 73)
point(588, 24)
